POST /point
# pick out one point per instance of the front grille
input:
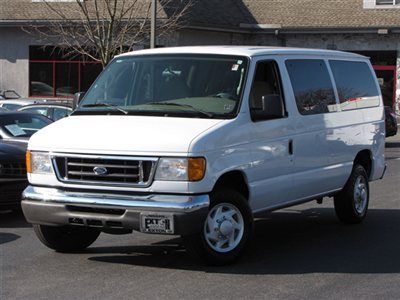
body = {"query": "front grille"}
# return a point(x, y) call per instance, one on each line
point(107, 170)
point(13, 169)
point(96, 210)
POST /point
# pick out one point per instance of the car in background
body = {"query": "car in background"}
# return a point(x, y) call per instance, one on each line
point(44, 89)
point(17, 103)
point(41, 88)
point(54, 111)
point(18, 127)
point(15, 130)
point(13, 179)
point(390, 122)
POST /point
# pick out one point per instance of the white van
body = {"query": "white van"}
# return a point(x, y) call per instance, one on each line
point(195, 141)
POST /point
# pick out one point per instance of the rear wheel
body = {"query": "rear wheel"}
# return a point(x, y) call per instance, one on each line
point(66, 239)
point(351, 204)
point(226, 229)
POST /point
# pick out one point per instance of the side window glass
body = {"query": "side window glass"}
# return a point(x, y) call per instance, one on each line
point(355, 84)
point(312, 86)
point(36, 110)
point(59, 113)
point(10, 106)
point(266, 98)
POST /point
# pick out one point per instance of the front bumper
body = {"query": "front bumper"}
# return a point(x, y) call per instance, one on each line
point(55, 207)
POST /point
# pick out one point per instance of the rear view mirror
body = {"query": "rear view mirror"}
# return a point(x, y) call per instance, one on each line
point(272, 108)
point(77, 99)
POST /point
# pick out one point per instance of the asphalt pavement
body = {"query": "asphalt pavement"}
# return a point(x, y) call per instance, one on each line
point(298, 253)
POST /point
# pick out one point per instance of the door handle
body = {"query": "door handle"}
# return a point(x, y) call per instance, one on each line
point(290, 147)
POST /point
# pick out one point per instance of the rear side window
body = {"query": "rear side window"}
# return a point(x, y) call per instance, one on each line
point(10, 106)
point(37, 110)
point(312, 86)
point(59, 113)
point(355, 84)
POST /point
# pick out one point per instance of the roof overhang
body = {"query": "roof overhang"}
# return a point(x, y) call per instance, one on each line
point(275, 29)
point(271, 29)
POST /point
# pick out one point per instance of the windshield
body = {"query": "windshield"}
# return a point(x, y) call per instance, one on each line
point(208, 86)
point(22, 125)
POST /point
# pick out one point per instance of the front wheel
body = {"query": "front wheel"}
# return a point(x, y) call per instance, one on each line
point(66, 239)
point(351, 204)
point(225, 231)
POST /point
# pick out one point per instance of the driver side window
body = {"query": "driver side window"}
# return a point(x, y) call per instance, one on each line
point(266, 97)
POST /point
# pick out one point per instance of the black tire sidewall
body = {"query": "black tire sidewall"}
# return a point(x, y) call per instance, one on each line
point(345, 202)
point(66, 239)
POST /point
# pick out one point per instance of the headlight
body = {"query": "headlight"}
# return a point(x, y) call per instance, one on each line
point(38, 163)
point(181, 169)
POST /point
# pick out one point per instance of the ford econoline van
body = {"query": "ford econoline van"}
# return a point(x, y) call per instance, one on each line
point(196, 141)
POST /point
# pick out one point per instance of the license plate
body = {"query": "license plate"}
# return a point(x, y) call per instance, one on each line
point(157, 223)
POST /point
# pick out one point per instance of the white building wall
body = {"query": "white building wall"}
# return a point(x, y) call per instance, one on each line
point(14, 60)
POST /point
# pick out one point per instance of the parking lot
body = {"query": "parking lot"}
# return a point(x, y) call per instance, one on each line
point(301, 252)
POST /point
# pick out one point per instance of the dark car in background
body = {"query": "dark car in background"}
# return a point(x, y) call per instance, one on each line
point(20, 126)
point(54, 111)
point(13, 178)
point(15, 130)
point(390, 122)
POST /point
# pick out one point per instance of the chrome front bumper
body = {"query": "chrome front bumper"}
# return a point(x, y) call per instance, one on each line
point(56, 207)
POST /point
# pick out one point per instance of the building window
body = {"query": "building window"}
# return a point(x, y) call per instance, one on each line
point(52, 74)
point(384, 4)
point(380, 58)
point(387, 2)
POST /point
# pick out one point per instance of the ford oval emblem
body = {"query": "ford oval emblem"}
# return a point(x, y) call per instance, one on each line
point(100, 170)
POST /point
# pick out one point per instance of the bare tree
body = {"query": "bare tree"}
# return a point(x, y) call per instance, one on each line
point(101, 29)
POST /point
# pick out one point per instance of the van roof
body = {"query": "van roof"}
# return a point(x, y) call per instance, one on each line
point(249, 51)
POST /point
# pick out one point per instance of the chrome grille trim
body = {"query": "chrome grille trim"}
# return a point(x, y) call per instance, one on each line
point(104, 165)
point(139, 173)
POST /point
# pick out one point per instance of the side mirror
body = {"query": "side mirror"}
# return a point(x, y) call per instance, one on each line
point(272, 108)
point(77, 98)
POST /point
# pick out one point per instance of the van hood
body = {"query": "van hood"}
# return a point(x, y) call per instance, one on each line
point(117, 134)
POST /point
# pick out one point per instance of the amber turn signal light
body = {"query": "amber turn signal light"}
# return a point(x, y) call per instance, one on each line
point(28, 162)
point(196, 168)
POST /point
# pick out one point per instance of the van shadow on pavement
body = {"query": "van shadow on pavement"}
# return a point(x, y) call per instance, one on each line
point(289, 242)
point(7, 237)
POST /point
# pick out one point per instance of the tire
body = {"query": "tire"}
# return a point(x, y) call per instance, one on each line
point(229, 212)
point(351, 204)
point(66, 239)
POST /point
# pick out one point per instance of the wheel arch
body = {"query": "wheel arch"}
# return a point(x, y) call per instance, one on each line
point(235, 180)
point(364, 158)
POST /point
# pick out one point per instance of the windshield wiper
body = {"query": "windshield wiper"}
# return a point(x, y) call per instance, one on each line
point(116, 107)
point(210, 115)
